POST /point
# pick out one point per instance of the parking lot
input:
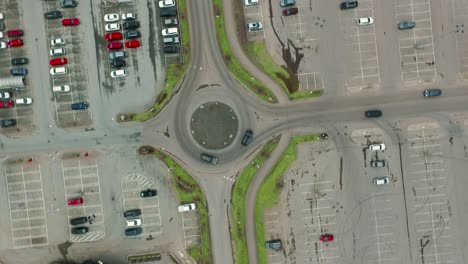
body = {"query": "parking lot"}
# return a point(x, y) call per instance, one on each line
point(427, 186)
point(460, 17)
point(76, 77)
point(254, 14)
point(26, 204)
point(22, 114)
point(151, 216)
point(363, 62)
point(191, 226)
point(81, 179)
point(416, 45)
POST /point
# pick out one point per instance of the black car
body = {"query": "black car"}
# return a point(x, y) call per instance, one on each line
point(171, 49)
point(118, 63)
point(19, 72)
point(68, 3)
point(132, 24)
point(248, 135)
point(8, 123)
point(53, 14)
point(148, 193)
point(132, 34)
point(79, 230)
point(78, 220)
point(79, 106)
point(348, 5)
point(133, 231)
point(132, 213)
point(167, 12)
point(432, 92)
point(19, 61)
point(373, 113)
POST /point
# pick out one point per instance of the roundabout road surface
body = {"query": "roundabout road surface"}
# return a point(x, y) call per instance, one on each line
point(207, 79)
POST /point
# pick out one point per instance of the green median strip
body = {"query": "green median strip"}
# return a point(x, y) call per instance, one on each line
point(269, 193)
point(174, 72)
point(239, 193)
point(189, 192)
point(231, 61)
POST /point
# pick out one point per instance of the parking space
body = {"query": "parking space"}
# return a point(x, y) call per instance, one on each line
point(460, 17)
point(272, 226)
point(173, 53)
point(312, 81)
point(26, 204)
point(81, 180)
point(76, 77)
point(23, 114)
point(427, 187)
point(416, 45)
point(360, 41)
point(254, 14)
point(150, 211)
point(191, 227)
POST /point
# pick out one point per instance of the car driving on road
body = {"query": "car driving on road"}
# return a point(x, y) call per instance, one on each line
point(373, 113)
point(209, 158)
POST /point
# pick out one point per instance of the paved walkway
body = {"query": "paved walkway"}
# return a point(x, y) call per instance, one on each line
point(252, 192)
point(238, 52)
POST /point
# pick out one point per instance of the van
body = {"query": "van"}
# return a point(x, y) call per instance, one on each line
point(171, 40)
point(57, 52)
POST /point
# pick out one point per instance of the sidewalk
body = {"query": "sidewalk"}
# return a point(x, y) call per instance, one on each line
point(238, 52)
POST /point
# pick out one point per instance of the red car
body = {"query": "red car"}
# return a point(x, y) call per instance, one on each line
point(75, 201)
point(132, 44)
point(326, 238)
point(15, 43)
point(290, 11)
point(114, 45)
point(113, 36)
point(14, 33)
point(70, 22)
point(58, 61)
point(6, 104)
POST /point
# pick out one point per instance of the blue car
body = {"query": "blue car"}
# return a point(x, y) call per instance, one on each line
point(285, 3)
point(133, 231)
point(79, 106)
point(406, 25)
point(432, 92)
point(348, 5)
point(19, 72)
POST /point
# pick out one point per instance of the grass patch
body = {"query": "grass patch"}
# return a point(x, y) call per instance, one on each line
point(233, 64)
point(258, 53)
point(269, 193)
point(174, 72)
point(189, 191)
point(238, 200)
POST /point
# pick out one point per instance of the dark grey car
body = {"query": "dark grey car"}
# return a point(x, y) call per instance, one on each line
point(68, 3)
point(132, 213)
point(115, 55)
point(79, 230)
point(132, 24)
point(19, 61)
point(53, 14)
point(132, 34)
point(247, 137)
point(133, 231)
point(78, 220)
point(8, 123)
point(209, 158)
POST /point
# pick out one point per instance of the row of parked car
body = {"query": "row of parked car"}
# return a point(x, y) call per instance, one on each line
point(170, 33)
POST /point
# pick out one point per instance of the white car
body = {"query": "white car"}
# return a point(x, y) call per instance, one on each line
point(133, 222)
point(3, 45)
point(112, 27)
point(111, 17)
point(24, 101)
point(61, 88)
point(375, 147)
point(57, 42)
point(118, 73)
point(254, 26)
point(187, 207)
point(170, 31)
point(381, 180)
point(166, 3)
point(5, 95)
point(57, 52)
point(251, 2)
point(365, 21)
point(2, 16)
point(1, 34)
point(129, 16)
point(58, 71)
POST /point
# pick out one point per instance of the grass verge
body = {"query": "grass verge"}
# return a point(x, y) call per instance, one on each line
point(189, 191)
point(174, 72)
point(238, 200)
point(231, 61)
point(269, 193)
